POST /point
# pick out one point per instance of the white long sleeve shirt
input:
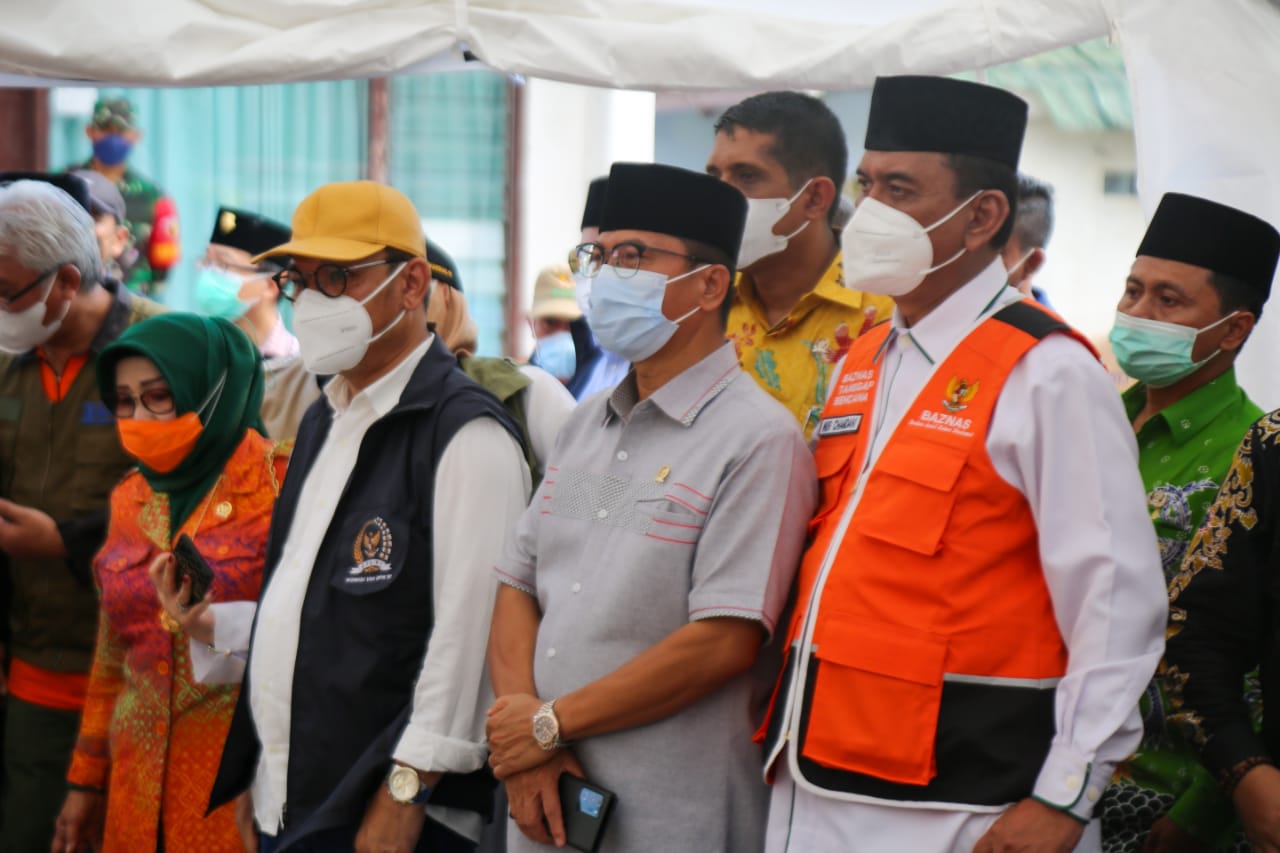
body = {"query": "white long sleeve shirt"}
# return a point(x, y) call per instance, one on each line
point(1058, 435)
point(482, 485)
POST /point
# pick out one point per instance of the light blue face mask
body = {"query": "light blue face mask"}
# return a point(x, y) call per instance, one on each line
point(626, 313)
point(217, 294)
point(557, 355)
point(1155, 353)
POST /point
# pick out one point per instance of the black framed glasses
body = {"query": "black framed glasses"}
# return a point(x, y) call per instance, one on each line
point(329, 279)
point(625, 257)
point(6, 301)
point(157, 401)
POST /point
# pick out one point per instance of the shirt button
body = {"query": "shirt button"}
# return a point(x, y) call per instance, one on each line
point(1092, 795)
point(162, 668)
point(622, 456)
point(1073, 782)
point(551, 653)
point(602, 513)
point(577, 587)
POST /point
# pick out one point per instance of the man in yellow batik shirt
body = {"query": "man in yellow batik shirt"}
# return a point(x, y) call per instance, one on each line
point(791, 319)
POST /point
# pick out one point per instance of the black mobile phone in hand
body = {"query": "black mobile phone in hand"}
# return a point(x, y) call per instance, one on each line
point(585, 808)
point(190, 564)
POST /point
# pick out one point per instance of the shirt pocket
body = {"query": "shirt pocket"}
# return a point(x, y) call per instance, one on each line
point(372, 551)
point(668, 521)
point(910, 495)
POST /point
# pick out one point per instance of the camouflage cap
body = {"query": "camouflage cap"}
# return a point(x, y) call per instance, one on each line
point(113, 114)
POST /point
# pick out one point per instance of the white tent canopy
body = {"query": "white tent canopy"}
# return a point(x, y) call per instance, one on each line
point(1202, 74)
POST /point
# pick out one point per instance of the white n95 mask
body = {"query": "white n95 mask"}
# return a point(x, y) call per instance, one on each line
point(334, 333)
point(887, 252)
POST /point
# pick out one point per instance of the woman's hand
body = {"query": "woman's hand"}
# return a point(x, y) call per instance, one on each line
point(197, 621)
point(79, 825)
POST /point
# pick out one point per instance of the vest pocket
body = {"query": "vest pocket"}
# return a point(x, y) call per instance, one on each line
point(910, 494)
point(875, 699)
point(832, 459)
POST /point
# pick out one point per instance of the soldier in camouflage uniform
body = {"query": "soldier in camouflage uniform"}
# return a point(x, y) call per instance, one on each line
point(151, 215)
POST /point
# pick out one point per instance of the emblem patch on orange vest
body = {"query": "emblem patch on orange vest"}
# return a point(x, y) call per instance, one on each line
point(960, 392)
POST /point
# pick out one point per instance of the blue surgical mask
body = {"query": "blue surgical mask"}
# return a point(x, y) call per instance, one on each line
point(218, 293)
point(1155, 353)
point(557, 355)
point(112, 149)
point(626, 313)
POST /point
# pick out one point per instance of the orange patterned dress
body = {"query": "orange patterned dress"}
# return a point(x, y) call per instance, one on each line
point(151, 735)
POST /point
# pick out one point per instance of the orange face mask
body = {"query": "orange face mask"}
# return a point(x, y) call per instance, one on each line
point(160, 445)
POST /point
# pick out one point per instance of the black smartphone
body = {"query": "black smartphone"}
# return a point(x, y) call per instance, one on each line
point(585, 807)
point(192, 565)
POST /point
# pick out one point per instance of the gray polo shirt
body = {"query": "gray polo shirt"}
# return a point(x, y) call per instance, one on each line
point(691, 504)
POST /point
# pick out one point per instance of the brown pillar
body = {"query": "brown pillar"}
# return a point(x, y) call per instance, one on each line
point(515, 300)
point(379, 130)
point(24, 113)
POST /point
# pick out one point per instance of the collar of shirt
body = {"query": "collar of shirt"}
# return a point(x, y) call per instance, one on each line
point(685, 395)
point(830, 288)
point(384, 393)
point(1193, 413)
point(941, 329)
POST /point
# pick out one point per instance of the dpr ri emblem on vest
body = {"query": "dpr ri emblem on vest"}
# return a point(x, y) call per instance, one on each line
point(372, 550)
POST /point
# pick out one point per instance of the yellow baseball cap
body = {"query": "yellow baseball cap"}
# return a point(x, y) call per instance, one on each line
point(352, 220)
point(554, 294)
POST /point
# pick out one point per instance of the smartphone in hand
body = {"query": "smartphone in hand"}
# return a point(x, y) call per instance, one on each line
point(585, 807)
point(190, 564)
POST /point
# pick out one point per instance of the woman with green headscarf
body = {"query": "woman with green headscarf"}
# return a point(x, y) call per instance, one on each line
point(185, 391)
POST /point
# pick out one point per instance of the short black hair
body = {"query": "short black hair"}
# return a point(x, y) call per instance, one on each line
point(974, 174)
point(709, 254)
point(808, 139)
point(1237, 295)
point(1034, 223)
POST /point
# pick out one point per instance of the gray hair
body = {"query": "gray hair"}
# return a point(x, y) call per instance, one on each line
point(41, 227)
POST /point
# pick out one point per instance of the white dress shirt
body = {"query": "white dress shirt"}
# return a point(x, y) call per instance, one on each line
point(482, 486)
point(1058, 435)
point(547, 405)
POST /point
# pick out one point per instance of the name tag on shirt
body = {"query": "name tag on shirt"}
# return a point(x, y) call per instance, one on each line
point(95, 413)
point(843, 425)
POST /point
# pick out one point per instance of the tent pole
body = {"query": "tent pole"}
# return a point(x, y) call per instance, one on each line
point(379, 130)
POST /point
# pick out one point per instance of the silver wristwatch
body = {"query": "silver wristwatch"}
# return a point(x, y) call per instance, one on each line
point(546, 727)
point(405, 787)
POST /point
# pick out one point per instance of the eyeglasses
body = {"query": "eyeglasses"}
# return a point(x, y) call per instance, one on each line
point(329, 279)
point(626, 258)
point(157, 401)
point(6, 301)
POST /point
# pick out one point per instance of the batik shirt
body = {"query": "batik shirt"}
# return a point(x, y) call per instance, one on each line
point(795, 359)
point(1184, 453)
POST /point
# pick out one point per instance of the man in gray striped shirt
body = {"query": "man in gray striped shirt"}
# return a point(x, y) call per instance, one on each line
point(657, 555)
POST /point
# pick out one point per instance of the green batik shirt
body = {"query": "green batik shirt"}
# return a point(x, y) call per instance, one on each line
point(1184, 453)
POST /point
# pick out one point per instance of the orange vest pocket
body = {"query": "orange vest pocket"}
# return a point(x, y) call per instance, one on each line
point(910, 494)
point(833, 459)
point(876, 695)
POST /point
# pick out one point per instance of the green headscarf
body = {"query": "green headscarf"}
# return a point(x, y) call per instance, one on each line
point(193, 353)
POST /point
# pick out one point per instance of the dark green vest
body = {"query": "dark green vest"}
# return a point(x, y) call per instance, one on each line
point(62, 458)
point(503, 379)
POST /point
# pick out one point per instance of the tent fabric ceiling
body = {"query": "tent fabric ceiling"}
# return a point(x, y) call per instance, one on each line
point(1201, 82)
point(672, 44)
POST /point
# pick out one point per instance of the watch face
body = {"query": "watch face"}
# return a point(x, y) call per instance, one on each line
point(545, 728)
point(404, 784)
